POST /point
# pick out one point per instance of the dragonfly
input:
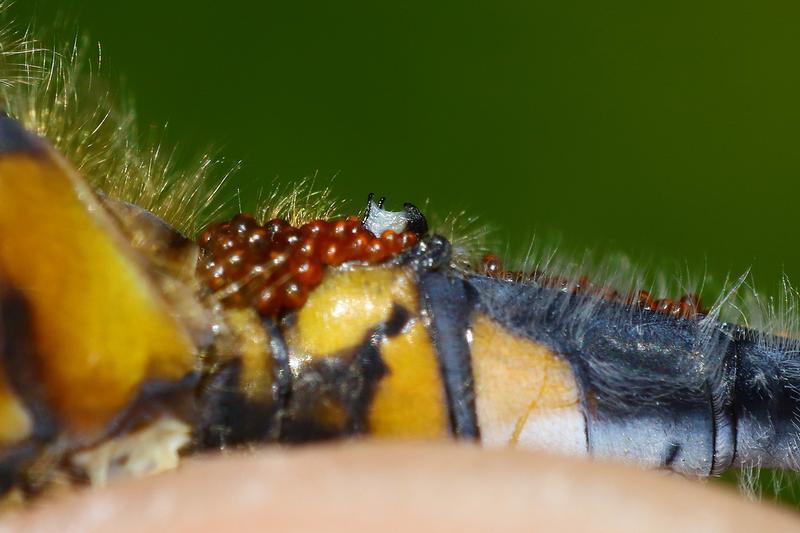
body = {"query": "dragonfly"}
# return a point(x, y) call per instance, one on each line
point(135, 334)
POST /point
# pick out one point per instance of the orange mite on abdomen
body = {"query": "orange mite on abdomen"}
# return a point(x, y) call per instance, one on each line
point(688, 306)
point(272, 267)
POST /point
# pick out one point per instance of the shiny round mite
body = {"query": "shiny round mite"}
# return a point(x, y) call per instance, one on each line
point(273, 267)
point(688, 306)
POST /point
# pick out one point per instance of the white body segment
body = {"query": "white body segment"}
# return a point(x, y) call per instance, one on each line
point(526, 396)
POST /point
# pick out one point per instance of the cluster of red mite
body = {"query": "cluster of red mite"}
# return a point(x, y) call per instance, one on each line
point(273, 267)
point(687, 306)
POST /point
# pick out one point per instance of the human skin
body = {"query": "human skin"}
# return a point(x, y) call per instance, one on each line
point(403, 486)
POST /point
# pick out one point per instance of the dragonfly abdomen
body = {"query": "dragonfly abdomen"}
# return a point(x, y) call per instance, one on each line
point(690, 394)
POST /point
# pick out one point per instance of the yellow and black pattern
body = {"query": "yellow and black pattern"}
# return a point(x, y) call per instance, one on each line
point(116, 353)
point(88, 338)
point(107, 331)
point(358, 358)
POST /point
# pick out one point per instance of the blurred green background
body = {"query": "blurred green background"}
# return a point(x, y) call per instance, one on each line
point(668, 131)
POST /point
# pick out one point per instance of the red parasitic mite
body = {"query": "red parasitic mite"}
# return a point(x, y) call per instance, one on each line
point(688, 306)
point(274, 266)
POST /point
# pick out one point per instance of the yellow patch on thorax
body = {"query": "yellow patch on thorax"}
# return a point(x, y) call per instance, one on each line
point(100, 327)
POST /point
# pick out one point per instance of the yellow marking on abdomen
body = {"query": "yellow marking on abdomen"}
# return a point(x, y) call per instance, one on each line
point(410, 400)
point(255, 354)
point(347, 305)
